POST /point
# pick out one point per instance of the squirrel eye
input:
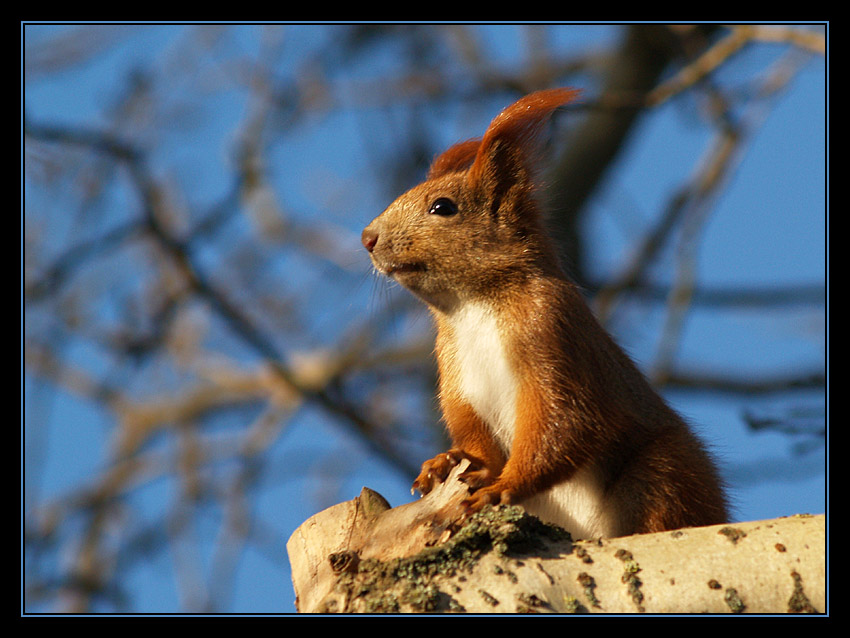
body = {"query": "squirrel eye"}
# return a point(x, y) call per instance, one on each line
point(443, 206)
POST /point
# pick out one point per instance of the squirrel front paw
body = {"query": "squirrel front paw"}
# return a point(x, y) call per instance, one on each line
point(436, 470)
point(476, 478)
point(494, 494)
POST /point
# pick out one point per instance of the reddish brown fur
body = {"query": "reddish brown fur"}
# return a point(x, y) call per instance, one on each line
point(456, 158)
point(581, 402)
point(517, 126)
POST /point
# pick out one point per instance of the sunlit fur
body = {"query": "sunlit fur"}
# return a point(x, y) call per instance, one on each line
point(551, 412)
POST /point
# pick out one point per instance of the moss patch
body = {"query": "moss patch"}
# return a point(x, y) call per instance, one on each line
point(799, 602)
point(733, 600)
point(589, 585)
point(630, 577)
point(732, 533)
point(406, 584)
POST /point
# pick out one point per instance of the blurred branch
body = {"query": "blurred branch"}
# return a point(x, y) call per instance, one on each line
point(71, 47)
point(154, 222)
point(682, 291)
point(727, 383)
point(282, 385)
point(806, 39)
point(633, 70)
point(689, 207)
point(720, 53)
point(54, 276)
point(805, 425)
point(723, 160)
point(768, 296)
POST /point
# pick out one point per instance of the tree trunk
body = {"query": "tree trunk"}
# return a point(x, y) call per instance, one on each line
point(363, 556)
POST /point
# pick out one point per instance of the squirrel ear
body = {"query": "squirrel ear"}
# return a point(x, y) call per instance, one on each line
point(455, 158)
point(507, 148)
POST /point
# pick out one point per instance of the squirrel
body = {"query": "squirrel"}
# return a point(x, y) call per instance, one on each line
point(549, 410)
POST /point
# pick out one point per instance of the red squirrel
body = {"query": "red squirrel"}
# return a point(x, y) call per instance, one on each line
point(551, 413)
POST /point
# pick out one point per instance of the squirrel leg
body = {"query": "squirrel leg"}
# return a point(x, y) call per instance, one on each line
point(533, 465)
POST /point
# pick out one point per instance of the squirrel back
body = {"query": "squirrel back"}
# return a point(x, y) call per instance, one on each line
point(551, 412)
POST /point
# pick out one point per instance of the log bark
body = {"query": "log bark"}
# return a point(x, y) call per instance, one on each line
point(363, 556)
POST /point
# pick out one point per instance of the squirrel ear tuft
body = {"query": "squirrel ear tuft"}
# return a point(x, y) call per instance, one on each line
point(516, 130)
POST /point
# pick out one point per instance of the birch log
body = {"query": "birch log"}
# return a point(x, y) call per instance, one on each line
point(364, 556)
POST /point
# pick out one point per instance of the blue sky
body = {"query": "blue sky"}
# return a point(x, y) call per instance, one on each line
point(768, 227)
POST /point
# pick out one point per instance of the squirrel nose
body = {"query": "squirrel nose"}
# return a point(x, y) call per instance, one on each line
point(369, 238)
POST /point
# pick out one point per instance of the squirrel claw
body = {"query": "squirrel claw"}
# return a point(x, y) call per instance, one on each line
point(491, 495)
point(436, 470)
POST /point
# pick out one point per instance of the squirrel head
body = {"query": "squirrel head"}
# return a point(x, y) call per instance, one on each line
point(473, 226)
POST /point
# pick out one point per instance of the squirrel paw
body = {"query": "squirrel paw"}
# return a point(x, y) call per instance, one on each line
point(475, 479)
point(436, 470)
point(494, 494)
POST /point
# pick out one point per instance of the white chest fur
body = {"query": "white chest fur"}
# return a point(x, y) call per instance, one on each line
point(490, 385)
point(483, 369)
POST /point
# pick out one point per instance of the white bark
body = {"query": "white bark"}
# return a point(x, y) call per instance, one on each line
point(363, 556)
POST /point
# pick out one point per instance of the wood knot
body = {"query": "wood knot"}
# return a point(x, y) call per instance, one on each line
point(345, 561)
